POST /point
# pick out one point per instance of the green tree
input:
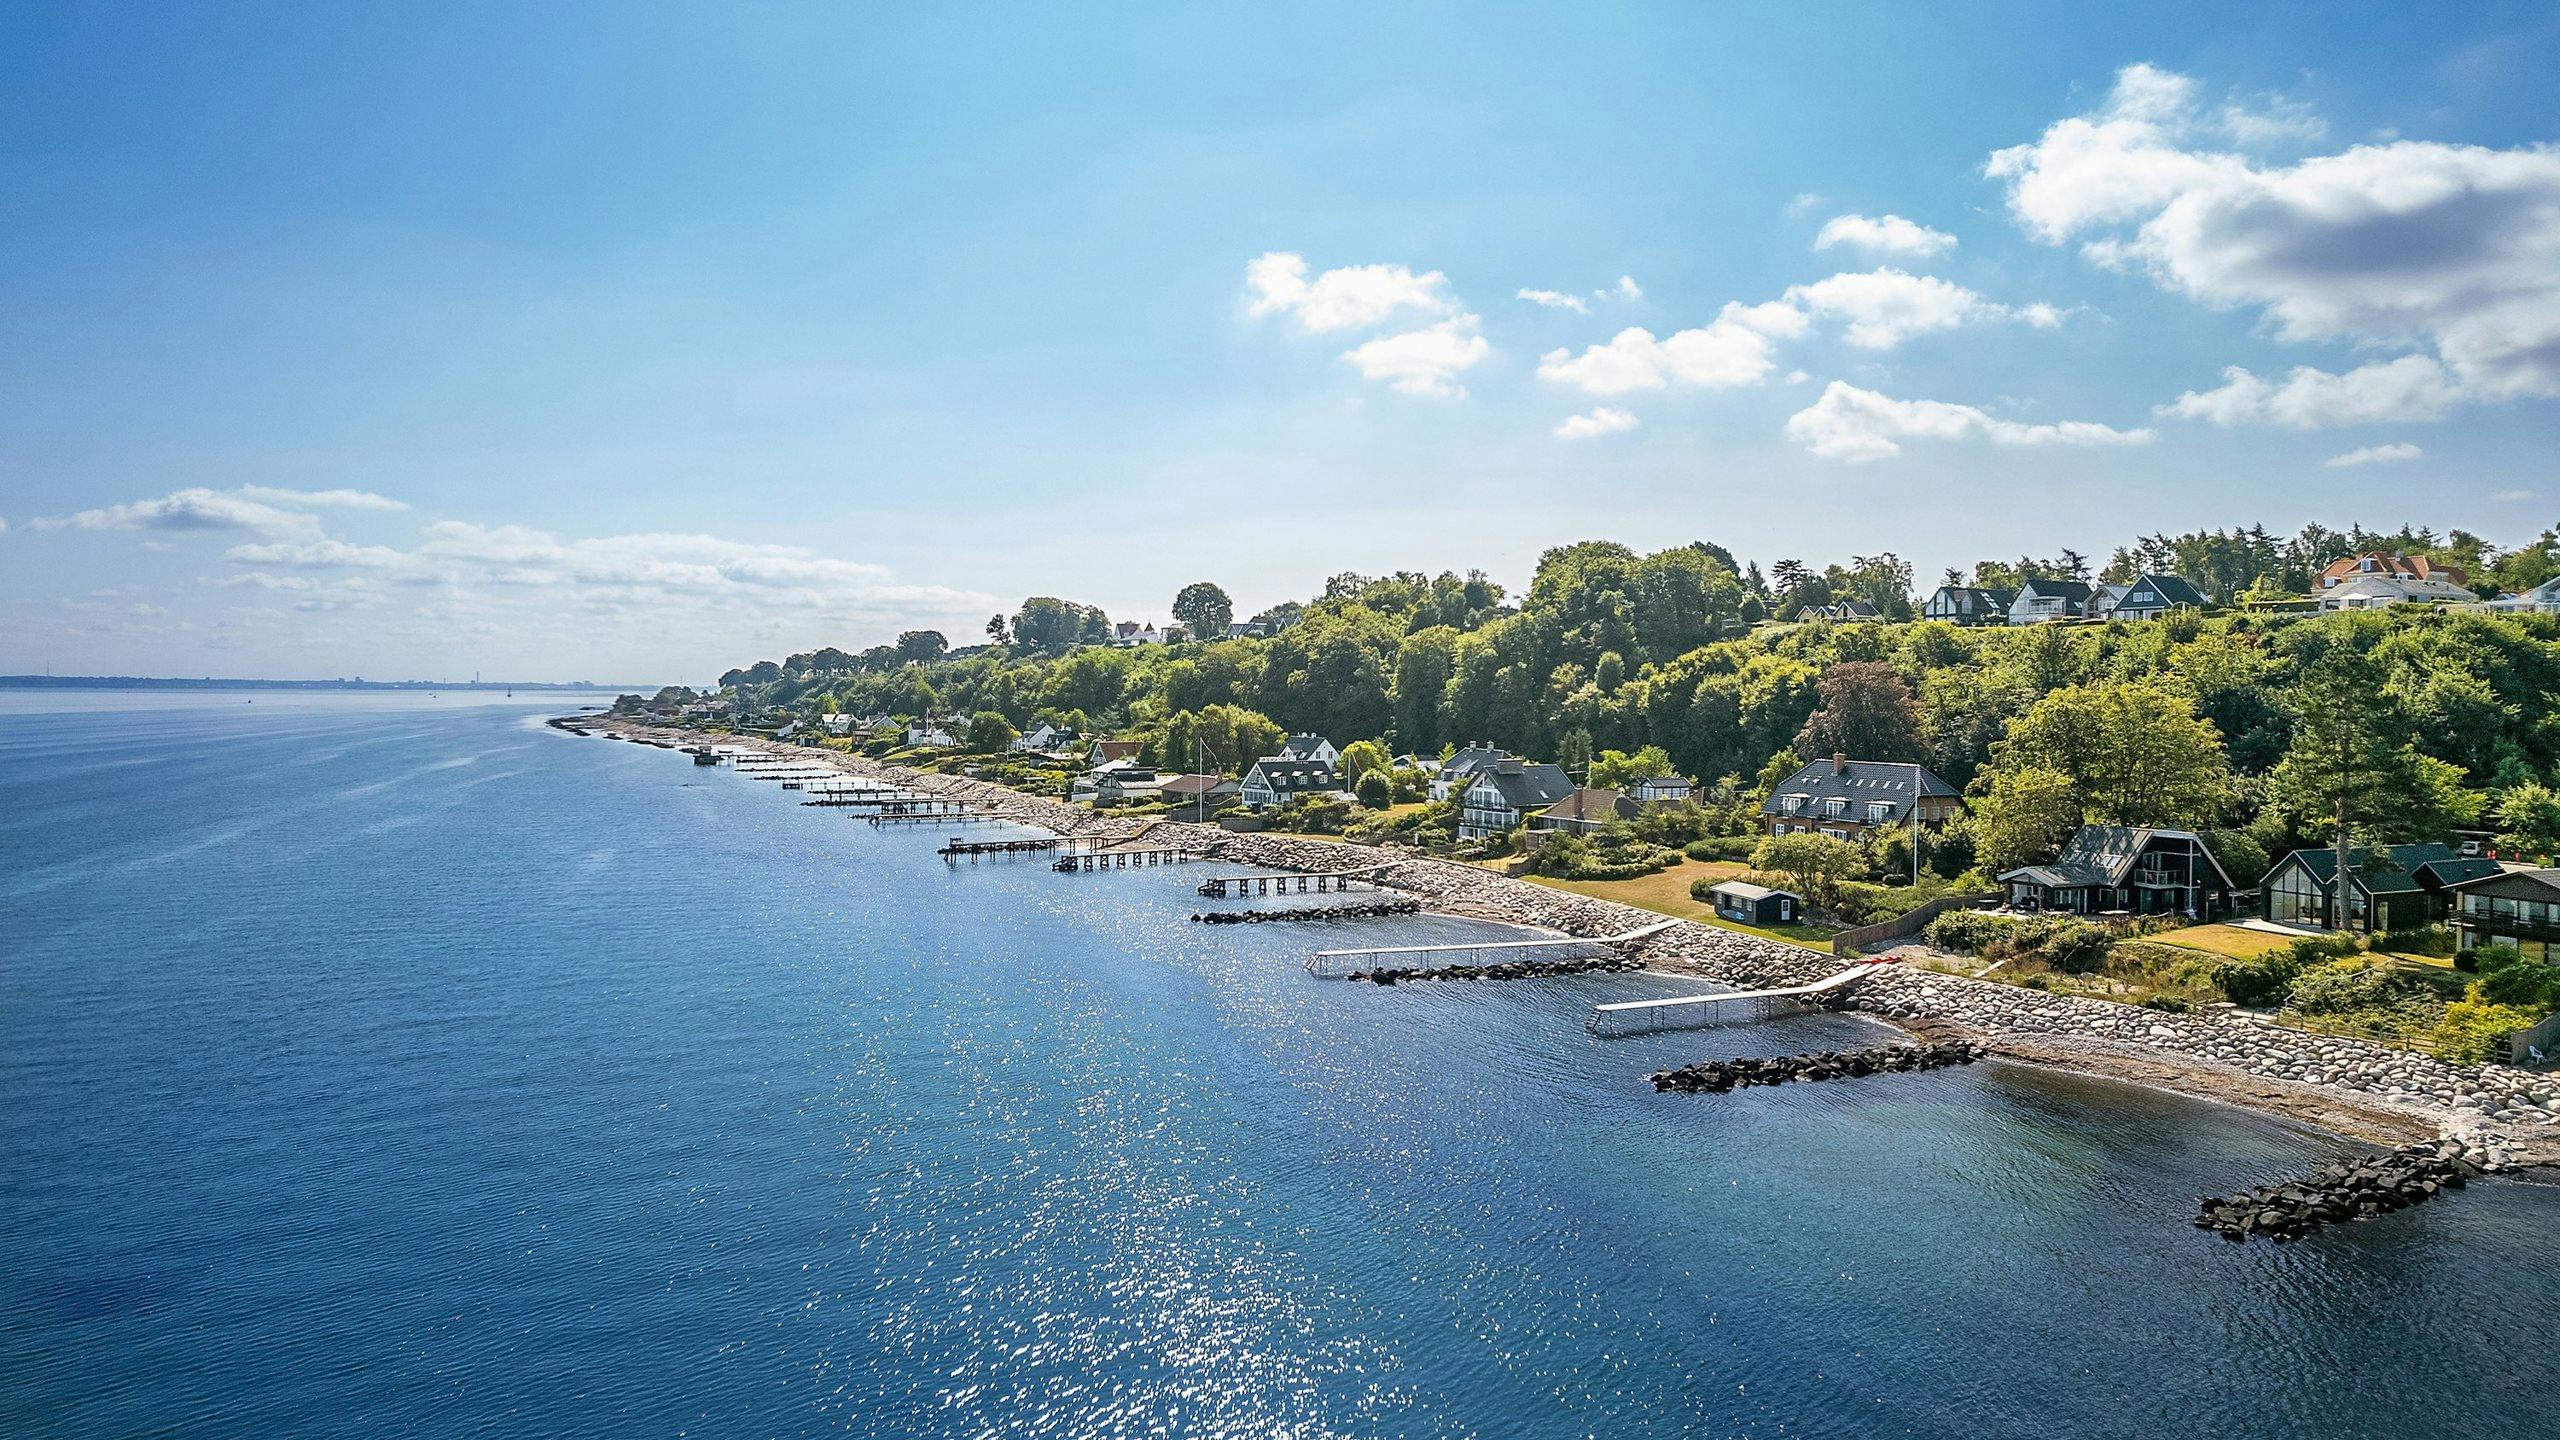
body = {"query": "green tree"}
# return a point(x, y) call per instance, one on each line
point(1204, 610)
point(990, 732)
point(1374, 789)
point(2354, 766)
point(922, 646)
point(1815, 865)
point(1220, 739)
point(1616, 769)
point(2137, 754)
point(1047, 623)
point(1358, 759)
point(1424, 663)
point(2024, 816)
point(1867, 714)
point(2529, 821)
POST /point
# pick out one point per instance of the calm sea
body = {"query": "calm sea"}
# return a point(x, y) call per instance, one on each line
point(382, 1066)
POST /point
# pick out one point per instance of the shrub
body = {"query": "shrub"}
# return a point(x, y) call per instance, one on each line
point(2507, 978)
point(1374, 789)
point(2342, 987)
point(2258, 980)
point(1968, 932)
point(2077, 946)
point(2166, 1004)
point(1721, 847)
point(2475, 1029)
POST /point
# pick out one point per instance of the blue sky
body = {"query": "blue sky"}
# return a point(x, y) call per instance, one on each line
point(637, 341)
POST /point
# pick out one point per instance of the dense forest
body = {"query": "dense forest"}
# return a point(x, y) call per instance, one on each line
point(2248, 719)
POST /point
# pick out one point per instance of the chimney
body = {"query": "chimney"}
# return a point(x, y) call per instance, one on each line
point(1839, 763)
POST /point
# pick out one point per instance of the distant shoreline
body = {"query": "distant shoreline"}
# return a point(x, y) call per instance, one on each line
point(152, 682)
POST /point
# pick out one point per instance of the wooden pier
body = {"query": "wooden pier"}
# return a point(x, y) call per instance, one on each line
point(1689, 1012)
point(1317, 882)
point(1341, 964)
point(975, 848)
point(1117, 860)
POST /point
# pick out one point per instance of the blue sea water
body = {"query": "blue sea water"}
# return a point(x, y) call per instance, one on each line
point(386, 1066)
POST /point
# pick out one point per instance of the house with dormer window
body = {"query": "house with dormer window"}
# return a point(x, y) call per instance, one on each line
point(1851, 799)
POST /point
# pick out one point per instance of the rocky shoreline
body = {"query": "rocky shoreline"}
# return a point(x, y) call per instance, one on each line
point(2505, 1117)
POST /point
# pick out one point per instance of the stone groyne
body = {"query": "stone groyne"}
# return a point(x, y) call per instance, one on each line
point(2505, 1115)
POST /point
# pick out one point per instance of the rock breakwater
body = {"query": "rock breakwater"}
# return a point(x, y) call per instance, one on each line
point(1367, 909)
point(2339, 1194)
point(1715, 1077)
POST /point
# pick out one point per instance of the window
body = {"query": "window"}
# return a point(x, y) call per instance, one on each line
point(1879, 811)
point(1834, 809)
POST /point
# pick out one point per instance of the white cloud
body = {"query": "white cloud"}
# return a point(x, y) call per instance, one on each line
point(1557, 300)
point(1804, 200)
point(1733, 350)
point(2374, 455)
point(1886, 307)
point(2413, 387)
point(1887, 234)
point(1856, 425)
point(323, 553)
point(1601, 421)
point(323, 499)
point(1349, 298)
point(2406, 244)
point(2512, 495)
point(1423, 362)
point(1627, 288)
point(4, 524)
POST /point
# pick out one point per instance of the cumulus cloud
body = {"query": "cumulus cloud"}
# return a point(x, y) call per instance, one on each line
point(2374, 455)
point(2454, 249)
point(1601, 421)
point(323, 553)
point(250, 507)
point(1734, 350)
point(1856, 425)
point(1884, 234)
point(1628, 289)
point(1423, 362)
point(1556, 300)
point(1349, 298)
point(1886, 307)
point(2413, 387)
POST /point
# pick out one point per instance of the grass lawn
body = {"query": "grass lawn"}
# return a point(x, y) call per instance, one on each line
point(2235, 941)
point(1667, 893)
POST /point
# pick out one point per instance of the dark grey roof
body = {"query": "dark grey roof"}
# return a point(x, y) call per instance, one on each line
point(2398, 870)
point(2522, 884)
point(1526, 786)
point(1301, 745)
point(1281, 773)
point(2171, 590)
point(2102, 854)
point(2075, 591)
point(1971, 599)
point(1858, 782)
point(1464, 762)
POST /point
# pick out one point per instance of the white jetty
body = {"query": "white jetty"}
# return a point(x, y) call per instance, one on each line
point(1338, 964)
point(1682, 1012)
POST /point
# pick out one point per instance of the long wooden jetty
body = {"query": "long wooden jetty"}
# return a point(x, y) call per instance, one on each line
point(1685, 1012)
point(1339, 964)
point(1117, 859)
point(975, 848)
point(1292, 883)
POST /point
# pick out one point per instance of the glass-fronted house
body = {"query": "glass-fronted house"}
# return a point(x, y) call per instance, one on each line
point(2514, 907)
point(2390, 887)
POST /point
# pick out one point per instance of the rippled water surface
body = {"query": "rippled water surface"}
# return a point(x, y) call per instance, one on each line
point(376, 1067)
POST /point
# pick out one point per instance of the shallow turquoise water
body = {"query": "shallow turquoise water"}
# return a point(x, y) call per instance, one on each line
point(369, 1066)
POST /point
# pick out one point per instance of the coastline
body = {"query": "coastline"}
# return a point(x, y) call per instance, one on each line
point(2351, 1088)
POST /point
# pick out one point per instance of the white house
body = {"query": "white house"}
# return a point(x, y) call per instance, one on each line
point(1042, 737)
point(2042, 600)
point(1310, 747)
point(930, 734)
point(1506, 793)
point(1663, 789)
point(1459, 770)
point(836, 722)
point(2372, 592)
point(1278, 779)
point(2542, 599)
